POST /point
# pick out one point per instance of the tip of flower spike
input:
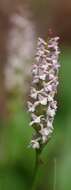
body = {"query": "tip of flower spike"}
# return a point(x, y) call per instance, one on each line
point(52, 34)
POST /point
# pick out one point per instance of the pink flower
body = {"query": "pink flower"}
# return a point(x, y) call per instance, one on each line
point(42, 106)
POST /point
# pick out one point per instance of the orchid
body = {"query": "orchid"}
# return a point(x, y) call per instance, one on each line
point(42, 105)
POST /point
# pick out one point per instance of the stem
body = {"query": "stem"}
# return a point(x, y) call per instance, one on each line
point(37, 164)
point(54, 186)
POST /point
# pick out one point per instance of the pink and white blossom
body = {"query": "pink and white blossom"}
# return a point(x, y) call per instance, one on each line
point(42, 104)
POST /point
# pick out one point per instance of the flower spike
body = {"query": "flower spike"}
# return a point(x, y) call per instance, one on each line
point(42, 105)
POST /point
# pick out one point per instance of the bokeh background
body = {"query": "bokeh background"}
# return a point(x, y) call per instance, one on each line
point(21, 22)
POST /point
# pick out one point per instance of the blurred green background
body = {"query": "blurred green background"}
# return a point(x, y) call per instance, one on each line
point(17, 160)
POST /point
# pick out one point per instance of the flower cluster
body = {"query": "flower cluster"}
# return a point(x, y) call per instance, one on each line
point(41, 104)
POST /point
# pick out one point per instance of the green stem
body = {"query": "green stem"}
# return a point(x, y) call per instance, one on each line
point(37, 164)
point(54, 186)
